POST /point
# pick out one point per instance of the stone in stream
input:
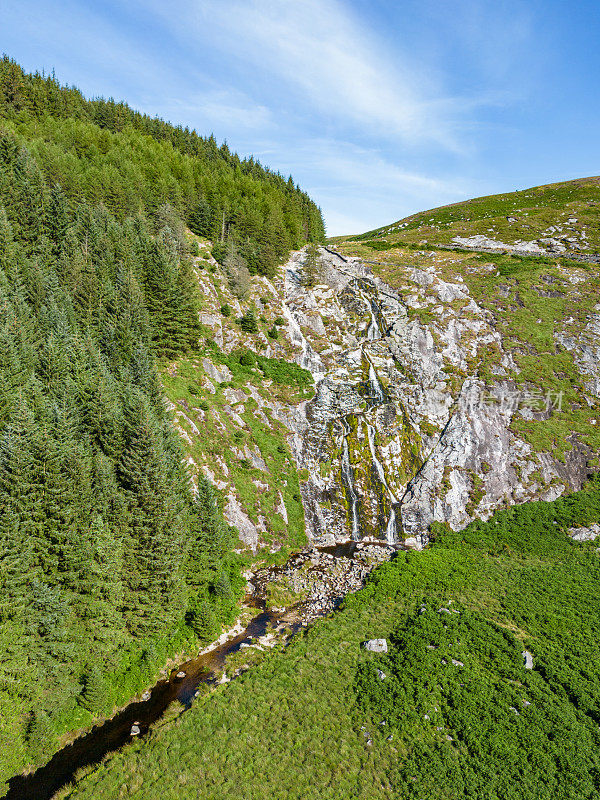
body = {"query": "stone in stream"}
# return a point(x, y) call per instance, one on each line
point(135, 729)
point(376, 645)
point(146, 695)
point(180, 674)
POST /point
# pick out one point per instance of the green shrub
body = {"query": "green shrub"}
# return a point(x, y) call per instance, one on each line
point(248, 359)
point(248, 322)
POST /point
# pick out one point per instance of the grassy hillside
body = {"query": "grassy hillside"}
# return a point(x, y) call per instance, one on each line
point(530, 214)
point(233, 403)
point(457, 714)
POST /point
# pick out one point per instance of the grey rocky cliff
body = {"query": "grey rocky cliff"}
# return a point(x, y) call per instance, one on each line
point(401, 431)
point(400, 434)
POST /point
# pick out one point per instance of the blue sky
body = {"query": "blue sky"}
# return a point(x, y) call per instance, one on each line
point(377, 108)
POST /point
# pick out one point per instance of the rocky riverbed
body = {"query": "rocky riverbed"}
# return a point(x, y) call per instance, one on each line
point(315, 581)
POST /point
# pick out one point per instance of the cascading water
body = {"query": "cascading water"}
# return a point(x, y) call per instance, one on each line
point(335, 370)
point(348, 481)
point(390, 531)
point(375, 387)
point(309, 359)
point(373, 331)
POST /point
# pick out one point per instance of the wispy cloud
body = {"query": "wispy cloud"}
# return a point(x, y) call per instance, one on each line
point(219, 109)
point(318, 53)
point(345, 171)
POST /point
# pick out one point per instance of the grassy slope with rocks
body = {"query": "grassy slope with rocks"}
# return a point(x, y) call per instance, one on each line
point(234, 403)
point(524, 215)
point(315, 720)
point(532, 302)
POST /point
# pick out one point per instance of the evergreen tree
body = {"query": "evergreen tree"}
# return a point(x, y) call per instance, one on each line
point(248, 322)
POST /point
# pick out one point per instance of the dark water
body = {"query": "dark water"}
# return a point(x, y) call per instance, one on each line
point(113, 734)
point(116, 732)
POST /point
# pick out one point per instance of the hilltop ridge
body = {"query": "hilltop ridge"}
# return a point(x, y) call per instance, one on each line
point(556, 218)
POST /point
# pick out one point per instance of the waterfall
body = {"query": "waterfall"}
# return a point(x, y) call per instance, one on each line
point(348, 481)
point(309, 359)
point(375, 386)
point(373, 331)
point(390, 531)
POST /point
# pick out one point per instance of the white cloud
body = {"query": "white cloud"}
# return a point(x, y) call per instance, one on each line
point(216, 109)
point(318, 53)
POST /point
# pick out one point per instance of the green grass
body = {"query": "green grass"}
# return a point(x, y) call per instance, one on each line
point(534, 209)
point(219, 439)
point(299, 724)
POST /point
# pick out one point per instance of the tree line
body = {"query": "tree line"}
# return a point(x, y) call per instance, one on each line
point(109, 562)
point(103, 151)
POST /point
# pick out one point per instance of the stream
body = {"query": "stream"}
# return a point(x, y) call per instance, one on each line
point(136, 719)
point(116, 732)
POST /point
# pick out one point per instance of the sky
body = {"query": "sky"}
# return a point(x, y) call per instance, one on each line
point(377, 108)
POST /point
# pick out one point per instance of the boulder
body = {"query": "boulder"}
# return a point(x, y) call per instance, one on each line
point(528, 659)
point(135, 729)
point(585, 534)
point(376, 645)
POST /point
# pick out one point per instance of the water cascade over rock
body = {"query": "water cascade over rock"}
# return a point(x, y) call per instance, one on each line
point(402, 432)
point(358, 441)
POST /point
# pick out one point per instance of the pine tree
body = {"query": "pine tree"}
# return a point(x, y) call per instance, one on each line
point(95, 696)
point(311, 267)
point(202, 619)
point(41, 737)
point(248, 322)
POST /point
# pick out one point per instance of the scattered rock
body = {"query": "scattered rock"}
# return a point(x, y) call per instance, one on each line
point(585, 534)
point(376, 645)
point(528, 658)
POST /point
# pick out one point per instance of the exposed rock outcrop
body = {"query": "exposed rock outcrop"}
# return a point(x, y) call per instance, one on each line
point(401, 432)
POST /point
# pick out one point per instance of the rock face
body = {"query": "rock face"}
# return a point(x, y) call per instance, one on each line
point(401, 431)
point(399, 435)
point(481, 242)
